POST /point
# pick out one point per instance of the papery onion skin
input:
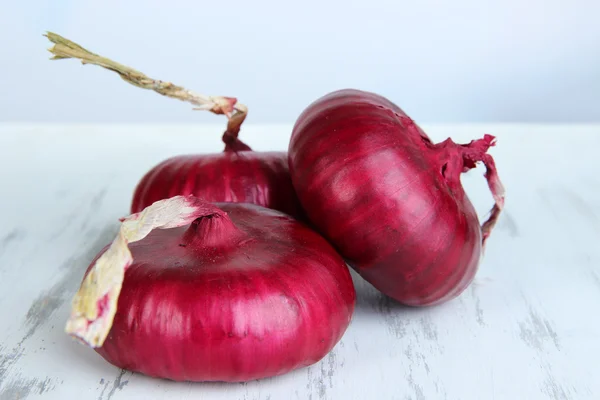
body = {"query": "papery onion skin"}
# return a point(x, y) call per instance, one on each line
point(253, 296)
point(237, 175)
point(391, 201)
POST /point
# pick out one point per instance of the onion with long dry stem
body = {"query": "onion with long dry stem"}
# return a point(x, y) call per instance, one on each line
point(238, 174)
point(213, 292)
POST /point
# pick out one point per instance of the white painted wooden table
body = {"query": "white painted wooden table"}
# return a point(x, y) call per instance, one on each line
point(527, 328)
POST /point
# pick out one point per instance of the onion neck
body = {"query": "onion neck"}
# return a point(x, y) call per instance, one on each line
point(454, 159)
point(212, 231)
point(234, 124)
point(458, 158)
point(233, 144)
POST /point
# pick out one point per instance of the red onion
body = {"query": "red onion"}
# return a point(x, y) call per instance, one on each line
point(391, 201)
point(236, 175)
point(200, 292)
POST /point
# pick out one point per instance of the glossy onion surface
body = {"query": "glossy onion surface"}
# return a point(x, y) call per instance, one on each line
point(252, 295)
point(237, 175)
point(391, 201)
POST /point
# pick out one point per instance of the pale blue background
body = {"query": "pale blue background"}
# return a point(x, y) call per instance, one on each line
point(442, 61)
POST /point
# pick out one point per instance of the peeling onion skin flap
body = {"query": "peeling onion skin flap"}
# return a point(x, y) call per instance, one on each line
point(391, 201)
point(230, 292)
point(102, 284)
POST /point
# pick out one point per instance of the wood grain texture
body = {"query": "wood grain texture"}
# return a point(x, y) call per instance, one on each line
point(525, 329)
